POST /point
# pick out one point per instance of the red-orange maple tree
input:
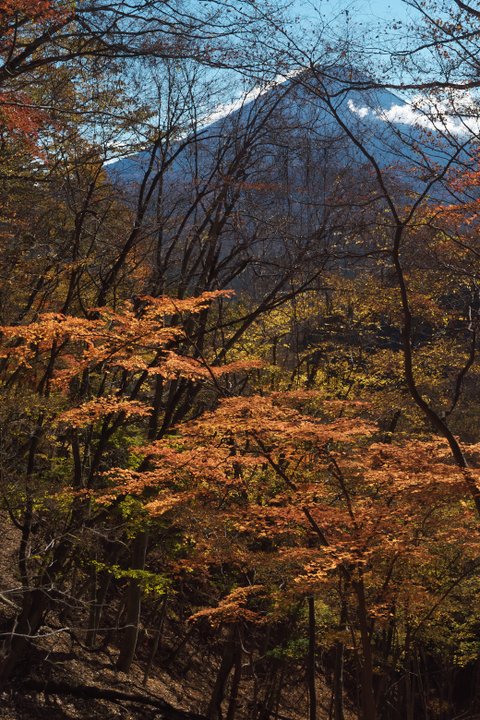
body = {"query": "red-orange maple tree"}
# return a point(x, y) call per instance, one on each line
point(21, 22)
point(77, 382)
point(314, 503)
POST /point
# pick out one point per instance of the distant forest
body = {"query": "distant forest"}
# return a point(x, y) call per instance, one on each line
point(239, 377)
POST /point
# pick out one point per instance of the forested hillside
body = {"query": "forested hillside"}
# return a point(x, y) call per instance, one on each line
point(239, 308)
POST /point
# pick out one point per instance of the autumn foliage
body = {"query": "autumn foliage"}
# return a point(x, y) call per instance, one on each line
point(238, 375)
point(21, 119)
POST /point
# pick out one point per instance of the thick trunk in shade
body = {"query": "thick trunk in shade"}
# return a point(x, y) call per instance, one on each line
point(218, 692)
point(311, 658)
point(129, 644)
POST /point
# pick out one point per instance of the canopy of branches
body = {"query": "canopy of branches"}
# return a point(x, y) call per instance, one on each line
point(239, 308)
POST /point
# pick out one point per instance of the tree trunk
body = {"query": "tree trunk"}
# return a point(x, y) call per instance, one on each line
point(156, 642)
point(35, 602)
point(98, 598)
point(338, 708)
point(214, 710)
point(338, 711)
point(369, 712)
point(311, 659)
point(409, 689)
point(422, 689)
point(129, 644)
point(232, 705)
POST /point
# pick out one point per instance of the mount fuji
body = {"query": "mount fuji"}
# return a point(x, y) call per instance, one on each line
point(288, 179)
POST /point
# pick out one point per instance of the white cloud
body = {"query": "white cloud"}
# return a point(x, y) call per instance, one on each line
point(458, 116)
point(360, 111)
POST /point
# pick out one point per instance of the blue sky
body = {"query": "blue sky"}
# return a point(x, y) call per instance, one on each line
point(366, 13)
point(394, 9)
point(371, 28)
point(378, 8)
